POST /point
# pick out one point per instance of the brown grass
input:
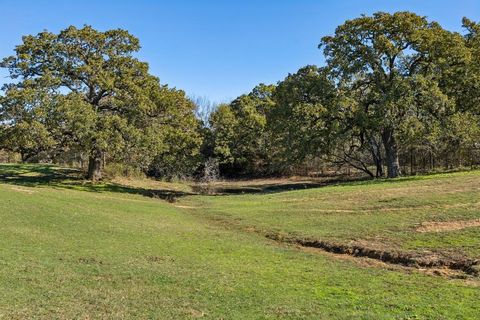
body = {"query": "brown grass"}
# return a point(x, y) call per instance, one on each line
point(444, 226)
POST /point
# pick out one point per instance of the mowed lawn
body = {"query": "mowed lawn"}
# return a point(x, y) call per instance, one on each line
point(389, 214)
point(73, 250)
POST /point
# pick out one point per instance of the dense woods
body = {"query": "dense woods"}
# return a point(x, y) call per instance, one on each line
point(398, 94)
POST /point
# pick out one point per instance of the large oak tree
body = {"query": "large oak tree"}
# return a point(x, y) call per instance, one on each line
point(101, 98)
point(389, 63)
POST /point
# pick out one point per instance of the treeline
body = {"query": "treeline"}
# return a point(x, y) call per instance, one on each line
point(397, 94)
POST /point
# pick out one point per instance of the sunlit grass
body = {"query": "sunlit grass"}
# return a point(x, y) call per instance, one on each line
point(70, 250)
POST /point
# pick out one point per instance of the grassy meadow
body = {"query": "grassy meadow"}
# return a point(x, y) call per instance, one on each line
point(70, 249)
point(386, 213)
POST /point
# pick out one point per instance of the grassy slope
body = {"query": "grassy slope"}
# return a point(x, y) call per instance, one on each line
point(73, 251)
point(383, 212)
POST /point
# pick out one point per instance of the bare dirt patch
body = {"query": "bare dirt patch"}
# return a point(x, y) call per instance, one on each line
point(89, 260)
point(443, 226)
point(433, 261)
point(369, 263)
point(185, 207)
point(28, 191)
point(374, 253)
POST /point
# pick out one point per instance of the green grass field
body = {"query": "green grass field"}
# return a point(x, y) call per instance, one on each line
point(71, 249)
point(383, 213)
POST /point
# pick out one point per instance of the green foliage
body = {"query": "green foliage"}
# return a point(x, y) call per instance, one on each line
point(388, 62)
point(240, 137)
point(461, 80)
point(305, 117)
point(181, 136)
point(391, 81)
point(397, 90)
point(83, 90)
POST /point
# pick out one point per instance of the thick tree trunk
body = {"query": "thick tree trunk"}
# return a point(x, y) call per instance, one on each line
point(95, 166)
point(391, 153)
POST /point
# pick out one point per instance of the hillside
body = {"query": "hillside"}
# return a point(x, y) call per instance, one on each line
point(73, 249)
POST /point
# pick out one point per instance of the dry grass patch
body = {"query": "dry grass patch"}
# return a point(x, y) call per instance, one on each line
point(444, 226)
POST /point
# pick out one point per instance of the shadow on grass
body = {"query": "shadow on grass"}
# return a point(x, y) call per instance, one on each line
point(33, 175)
point(334, 180)
point(285, 186)
point(36, 175)
point(264, 188)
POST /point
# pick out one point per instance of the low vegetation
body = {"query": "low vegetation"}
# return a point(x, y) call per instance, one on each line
point(427, 216)
point(73, 249)
point(398, 94)
point(120, 208)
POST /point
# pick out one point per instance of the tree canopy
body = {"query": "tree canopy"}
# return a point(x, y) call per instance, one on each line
point(240, 135)
point(397, 91)
point(389, 63)
point(83, 89)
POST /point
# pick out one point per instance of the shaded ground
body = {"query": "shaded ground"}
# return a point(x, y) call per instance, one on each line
point(71, 249)
point(68, 178)
point(272, 185)
point(45, 174)
point(385, 216)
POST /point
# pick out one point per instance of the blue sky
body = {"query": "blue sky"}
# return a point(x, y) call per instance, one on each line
point(217, 49)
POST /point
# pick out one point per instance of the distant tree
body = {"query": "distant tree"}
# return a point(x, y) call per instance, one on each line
point(453, 138)
point(461, 81)
point(181, 134)
point(305, 117)
point(100, 98)
point(458, 139)
point(239, 132)
point(26, 122)
point(389, 64)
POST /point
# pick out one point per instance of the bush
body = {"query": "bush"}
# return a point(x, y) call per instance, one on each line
point(114, 170)
point(9, 157)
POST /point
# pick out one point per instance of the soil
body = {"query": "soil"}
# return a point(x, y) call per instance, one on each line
point(433, 261)
point(444, 226)
point(23, 190)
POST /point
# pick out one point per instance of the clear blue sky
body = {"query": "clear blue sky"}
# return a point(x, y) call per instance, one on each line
point(217, 49)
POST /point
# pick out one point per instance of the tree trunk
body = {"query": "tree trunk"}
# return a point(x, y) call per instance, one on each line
point(376, 153)
point(391, 153)
point(379, 168)
point(412, 162)
point(95, 166)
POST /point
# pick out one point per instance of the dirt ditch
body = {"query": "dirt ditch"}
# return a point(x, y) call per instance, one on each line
point(408, 259)
point(374, 254)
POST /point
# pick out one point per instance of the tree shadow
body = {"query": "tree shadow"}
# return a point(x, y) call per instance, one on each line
point(279, 186)
point(320, 182)
point(261, 188)
point(36, 175)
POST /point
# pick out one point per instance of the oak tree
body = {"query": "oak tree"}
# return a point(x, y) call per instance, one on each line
point(103, 92)
point(389, 62)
